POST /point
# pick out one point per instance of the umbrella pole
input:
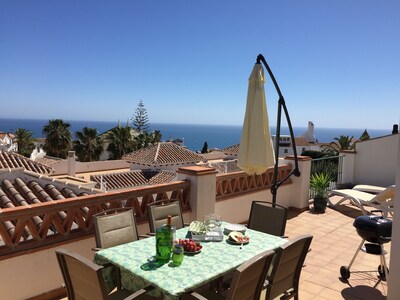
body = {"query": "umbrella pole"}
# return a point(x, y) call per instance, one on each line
point(281, 104)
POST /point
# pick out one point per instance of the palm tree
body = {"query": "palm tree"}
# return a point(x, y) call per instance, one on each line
point(58, 138)
point(120, 141)
point(344, 142)
point(24, 141)
point(88, 146)
point(145, 139)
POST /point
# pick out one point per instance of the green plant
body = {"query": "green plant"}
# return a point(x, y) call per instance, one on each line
point(319, 183)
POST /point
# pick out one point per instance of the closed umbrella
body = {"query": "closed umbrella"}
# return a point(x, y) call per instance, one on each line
point(256, 152)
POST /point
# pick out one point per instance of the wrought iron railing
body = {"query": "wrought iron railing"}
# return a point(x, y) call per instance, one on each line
point(332, 165)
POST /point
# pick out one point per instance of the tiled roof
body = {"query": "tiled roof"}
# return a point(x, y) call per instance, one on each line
point(214, 155)
point(302, 142)
point(122, 180)
point(163, 154)
point(4, 134)
point(20, 187)
point(223, 167)
point(11, 160)
point(232, 150)
point(48, 161)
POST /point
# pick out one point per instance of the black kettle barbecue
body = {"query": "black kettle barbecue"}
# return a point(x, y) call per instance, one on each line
point(377, 231)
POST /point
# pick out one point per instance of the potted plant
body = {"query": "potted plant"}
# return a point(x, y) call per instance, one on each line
point(319, 184)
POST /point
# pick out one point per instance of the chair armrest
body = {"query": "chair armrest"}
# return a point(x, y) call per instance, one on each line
point(193, 295)
point(139, 292)
point(198, 296)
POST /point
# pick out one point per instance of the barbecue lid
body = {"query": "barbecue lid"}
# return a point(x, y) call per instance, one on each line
point(375, 224)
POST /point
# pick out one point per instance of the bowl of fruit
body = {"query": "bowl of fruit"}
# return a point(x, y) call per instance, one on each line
point(190, 246)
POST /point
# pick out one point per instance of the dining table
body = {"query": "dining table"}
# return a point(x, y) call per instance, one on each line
point(139, 269)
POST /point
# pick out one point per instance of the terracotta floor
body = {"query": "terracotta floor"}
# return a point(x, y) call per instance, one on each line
point(334, 244)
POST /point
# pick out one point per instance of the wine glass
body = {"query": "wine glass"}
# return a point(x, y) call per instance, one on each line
point(218, 221)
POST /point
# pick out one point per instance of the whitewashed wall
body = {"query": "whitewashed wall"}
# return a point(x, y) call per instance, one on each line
point(375, 161)
point(394, 278)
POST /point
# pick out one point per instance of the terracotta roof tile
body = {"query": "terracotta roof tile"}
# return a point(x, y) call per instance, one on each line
point(163, 154)
point(216, 154)
point(231, 150)
point(223, 167)
point(19, 187)
point(122, 180)
point(11, 160)
point(48, 161)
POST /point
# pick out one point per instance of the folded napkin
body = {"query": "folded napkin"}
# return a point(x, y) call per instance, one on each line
point(197, 227)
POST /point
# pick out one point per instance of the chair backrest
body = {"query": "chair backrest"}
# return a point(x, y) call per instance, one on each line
point(115, 227)
point(267, 218)
point(82, 277)
point(386, 195)
point(248, 279)
point(285, 273)
point(159, 211)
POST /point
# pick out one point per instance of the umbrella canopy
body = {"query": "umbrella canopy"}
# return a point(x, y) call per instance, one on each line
point(256, 152)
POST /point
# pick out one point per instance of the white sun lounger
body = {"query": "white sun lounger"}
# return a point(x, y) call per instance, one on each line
point(382, 201)
point(369, 188)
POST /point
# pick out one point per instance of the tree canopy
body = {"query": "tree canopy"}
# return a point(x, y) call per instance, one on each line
point(121, 141)
point(140, 119)
point(88, 146)
point(58, 138)
point(25, 141)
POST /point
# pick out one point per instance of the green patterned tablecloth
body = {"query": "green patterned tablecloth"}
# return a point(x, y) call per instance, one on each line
point(215, 259)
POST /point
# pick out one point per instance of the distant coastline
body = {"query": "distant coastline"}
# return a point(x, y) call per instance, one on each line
point(216, 136)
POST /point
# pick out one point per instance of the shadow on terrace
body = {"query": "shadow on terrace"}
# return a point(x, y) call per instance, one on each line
point(27, 251)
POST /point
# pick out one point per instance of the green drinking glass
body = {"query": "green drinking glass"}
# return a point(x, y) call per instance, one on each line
point(177, 254)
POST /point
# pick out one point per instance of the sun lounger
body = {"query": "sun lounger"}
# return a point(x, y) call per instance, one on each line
point(369, 188)
point(382, 201)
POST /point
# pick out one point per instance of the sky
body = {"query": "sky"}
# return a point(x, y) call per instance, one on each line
point(337, 62)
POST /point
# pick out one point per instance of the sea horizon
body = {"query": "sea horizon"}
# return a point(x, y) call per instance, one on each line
point(193, 135)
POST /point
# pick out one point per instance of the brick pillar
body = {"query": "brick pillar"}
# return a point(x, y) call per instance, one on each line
point(202, 189)
point(301, 185)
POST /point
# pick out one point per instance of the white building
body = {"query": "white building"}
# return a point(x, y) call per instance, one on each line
point(306, 141)
point(7, 142)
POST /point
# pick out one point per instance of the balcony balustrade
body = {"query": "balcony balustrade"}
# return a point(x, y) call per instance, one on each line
point(20, 230)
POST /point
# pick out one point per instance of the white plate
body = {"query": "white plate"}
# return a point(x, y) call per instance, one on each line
point(234, 227)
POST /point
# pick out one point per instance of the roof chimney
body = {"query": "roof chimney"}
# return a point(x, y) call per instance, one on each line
point(395, 129)
point(71, 163)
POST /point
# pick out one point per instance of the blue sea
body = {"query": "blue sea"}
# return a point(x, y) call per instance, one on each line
point(194, 136)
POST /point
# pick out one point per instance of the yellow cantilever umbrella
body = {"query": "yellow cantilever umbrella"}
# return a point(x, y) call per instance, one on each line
point(256, 152)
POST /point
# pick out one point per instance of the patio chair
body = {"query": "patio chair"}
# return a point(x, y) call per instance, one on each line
point(159, 211)
point(84, 280)
point(284, 276)
point(247, 280)
point(266, 218)
point(115, 227)
point(382, 201)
